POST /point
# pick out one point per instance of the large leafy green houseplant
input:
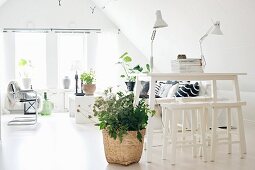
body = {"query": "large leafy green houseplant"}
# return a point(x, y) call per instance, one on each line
point(118, 117)
point(129, 71)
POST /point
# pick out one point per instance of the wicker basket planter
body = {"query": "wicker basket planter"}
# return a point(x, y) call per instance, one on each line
point(125, 153)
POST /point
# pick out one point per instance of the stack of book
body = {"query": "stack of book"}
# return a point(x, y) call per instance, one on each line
point(189, 65)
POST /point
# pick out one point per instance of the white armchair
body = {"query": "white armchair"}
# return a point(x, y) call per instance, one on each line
point(26, 100)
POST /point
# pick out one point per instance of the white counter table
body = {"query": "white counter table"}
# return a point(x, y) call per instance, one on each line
point(153, 77)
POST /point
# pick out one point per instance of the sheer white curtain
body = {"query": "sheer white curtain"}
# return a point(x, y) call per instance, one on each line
point(32, 47)
point(72, 55)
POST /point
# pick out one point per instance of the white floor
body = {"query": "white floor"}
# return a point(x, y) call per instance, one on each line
point(57, 143)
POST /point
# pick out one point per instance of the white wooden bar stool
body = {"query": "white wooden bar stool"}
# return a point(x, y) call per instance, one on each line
point(215, 139)
point(171, 113)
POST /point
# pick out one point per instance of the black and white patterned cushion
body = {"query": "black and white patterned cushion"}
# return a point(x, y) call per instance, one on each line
point(157, 87)
point(164, 89)
point(145, 89)
point(188, 90)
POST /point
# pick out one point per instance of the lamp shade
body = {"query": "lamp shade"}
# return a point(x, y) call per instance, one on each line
point(160, 23)
point(216, 30)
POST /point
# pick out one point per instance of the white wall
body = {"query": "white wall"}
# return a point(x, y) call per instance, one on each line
point(72, 14)
point(249, 97)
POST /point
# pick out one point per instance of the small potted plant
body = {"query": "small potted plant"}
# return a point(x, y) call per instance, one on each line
point(88, 79)
point(123, 126)
point(129, 72)
point(25, 67)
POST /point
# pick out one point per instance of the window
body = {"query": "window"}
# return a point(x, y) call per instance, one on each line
point(32, 48)
point(72, 55)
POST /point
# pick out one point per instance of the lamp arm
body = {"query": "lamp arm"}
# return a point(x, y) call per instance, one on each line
point(200, 44)
point(206, 34)
point(153, 34)
point(202, 55)
point(152, 39)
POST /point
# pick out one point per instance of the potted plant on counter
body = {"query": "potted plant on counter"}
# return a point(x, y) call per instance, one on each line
point(25, 69)
point(123, 126)
point(129, 72)
point(88, 79)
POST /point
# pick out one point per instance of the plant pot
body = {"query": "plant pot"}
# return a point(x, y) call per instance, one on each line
point(125, 153)
point(130, 85)
point(89, 89)
point(26, 83)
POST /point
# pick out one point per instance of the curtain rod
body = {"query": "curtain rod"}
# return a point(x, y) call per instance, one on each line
point(56, 30)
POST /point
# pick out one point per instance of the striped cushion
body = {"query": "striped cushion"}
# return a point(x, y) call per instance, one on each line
point(188, 90)
point(157, 87)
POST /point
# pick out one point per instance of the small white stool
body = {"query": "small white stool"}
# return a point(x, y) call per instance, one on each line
point(171, 118)
point(241, 135)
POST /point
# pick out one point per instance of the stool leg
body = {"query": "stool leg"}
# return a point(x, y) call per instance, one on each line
point(183, 126)
point(206, 126)
point(241, 132)
point(214, 137)
point(193, 129)
point(174, 134)
point(165, 131)
point(199, 130)
point(229, 131)
point(202, 123)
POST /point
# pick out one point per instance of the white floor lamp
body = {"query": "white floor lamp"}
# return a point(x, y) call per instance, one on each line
point(160, 23)
point(214, 29)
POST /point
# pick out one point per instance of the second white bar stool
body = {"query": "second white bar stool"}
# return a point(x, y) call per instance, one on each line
point(240, 132)
point(171, 113)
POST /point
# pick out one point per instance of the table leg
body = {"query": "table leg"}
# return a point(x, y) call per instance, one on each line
point(240, 115)
point(137, 90)
point(214, 90)
point(214, 135)
point(150, 120)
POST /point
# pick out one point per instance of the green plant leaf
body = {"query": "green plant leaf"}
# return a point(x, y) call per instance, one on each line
point(148, 67)
point(138, 68)
point(127, 59)
point(123, 54)
point(88, 77)
point(139, 136)
point(22, 62)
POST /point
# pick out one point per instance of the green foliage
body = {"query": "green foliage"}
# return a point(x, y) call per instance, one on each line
point(117, 114)
point(125, 61)
point(25, 68)
point(88, 77)
point(22, 62)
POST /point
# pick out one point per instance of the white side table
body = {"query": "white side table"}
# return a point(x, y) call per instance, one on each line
point(83, 109)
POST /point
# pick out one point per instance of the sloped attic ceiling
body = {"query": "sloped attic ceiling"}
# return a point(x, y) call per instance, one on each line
point(187, 22)
point(2, 2)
